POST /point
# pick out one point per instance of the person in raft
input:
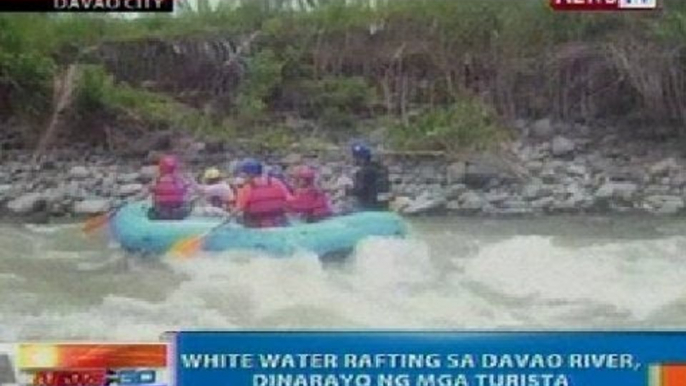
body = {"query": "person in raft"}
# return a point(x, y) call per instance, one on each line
point(309, 203)
point(218, 194)
point(277, 171)
point(170, 192)
point(371, 187)
point(263, 200)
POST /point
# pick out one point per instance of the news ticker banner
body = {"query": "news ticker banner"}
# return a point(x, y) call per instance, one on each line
point(357, 359)
point(84, 364)
point(168, 5)
point(429, 359)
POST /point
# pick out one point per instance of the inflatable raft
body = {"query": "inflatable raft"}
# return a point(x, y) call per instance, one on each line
point(136, 233)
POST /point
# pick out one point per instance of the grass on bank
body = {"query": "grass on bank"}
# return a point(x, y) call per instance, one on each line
point(330, 55)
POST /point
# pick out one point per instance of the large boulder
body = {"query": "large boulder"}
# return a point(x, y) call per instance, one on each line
point(618, 190)
point(532, 190)
point(663, 167)
point(544, 203)
point(400, 203)
point(127, 178)
point(664, 204)
point(542, 129)
point(92, 206)
point(456, 172)
point(5, 189)
point(577, 170)
point(148, 173)
point(454, 191)
point(425, 203)
point(79, 172)
point(562, 146)
point(129, 190)
point(480, 175)
point(25, 203)
point(471, 201)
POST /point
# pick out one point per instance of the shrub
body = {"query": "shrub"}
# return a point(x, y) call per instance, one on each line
point(467, 124)
point(335, 101)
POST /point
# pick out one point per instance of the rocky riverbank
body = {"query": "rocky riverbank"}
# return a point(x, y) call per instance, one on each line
point(550, 169)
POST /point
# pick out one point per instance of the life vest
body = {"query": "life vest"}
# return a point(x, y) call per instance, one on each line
point(311, 203)
point(266, 204)
point(169, 190)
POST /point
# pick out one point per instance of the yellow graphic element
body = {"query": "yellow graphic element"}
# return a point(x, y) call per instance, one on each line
point(38, 356)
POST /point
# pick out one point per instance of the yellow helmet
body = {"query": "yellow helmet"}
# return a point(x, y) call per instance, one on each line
point(211, 174)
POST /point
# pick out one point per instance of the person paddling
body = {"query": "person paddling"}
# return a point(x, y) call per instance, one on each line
point(262, 200)
point(169, 192)
point(218, 194)
point(309, 202)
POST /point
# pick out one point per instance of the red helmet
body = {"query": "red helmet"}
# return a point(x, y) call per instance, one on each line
point(305, 173)
point(168, 164)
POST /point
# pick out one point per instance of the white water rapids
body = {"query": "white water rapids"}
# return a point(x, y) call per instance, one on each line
point(576, 272)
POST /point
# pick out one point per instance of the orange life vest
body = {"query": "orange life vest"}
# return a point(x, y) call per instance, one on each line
point(266, 204)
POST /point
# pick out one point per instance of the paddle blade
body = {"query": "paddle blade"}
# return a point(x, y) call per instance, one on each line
point(94, 223)
point(187, 247)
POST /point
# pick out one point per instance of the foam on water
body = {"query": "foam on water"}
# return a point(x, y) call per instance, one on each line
point(635, 277)
point(63, 287)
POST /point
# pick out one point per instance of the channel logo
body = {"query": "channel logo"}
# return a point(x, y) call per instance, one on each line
point(637, 4)
point(41, 356)
point(603, 5)
point(92, 364)
point(146, 377)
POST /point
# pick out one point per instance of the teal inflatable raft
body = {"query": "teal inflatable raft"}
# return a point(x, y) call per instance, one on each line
point(136, 233)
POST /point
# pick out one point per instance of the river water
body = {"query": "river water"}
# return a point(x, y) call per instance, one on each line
point(557, 272)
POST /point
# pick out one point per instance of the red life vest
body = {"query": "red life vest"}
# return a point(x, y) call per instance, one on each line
point(266, 204)
point(311, 203)
point(169, 190)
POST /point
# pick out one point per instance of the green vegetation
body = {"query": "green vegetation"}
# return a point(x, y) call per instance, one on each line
point(446, 74)
point(98, 93)
point(466, 123)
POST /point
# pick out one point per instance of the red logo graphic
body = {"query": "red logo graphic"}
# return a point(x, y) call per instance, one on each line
point(603, 5)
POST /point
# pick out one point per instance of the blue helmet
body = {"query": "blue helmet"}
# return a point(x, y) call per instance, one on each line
point(251, 167)
point(361, 151)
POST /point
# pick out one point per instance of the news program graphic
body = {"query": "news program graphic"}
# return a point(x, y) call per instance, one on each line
point(668, 375)
point(603, 5)
point(92, 364)
point(405, 358)
point(86, 5)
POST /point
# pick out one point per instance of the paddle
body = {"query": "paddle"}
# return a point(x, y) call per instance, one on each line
point(189, 246)
point(97, 221)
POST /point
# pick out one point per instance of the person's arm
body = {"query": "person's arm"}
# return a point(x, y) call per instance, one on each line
point(229, 193)
point(284, 189)
point(241, 200)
